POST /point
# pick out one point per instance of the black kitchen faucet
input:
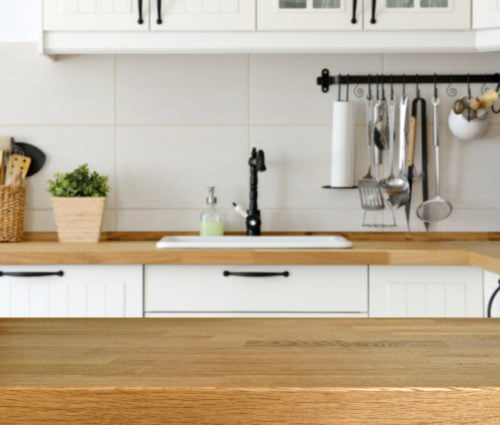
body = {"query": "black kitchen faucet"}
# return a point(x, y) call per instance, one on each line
point(257, 163)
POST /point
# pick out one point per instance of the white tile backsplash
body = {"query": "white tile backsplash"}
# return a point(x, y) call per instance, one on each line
point(73, 90)
point(182, 90)
point(164, 127)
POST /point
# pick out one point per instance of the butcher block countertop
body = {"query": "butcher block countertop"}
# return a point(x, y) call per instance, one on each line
point(250, 371)
point(476, 249)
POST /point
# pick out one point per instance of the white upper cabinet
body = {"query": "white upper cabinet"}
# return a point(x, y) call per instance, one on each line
point(143, 15)
point(310, 15)
point(203, 15)
point(417, 15)
point(385, 15)
point(96, 15)
point(486, 14)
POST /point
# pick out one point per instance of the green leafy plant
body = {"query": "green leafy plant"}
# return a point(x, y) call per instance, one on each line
point(79, 182)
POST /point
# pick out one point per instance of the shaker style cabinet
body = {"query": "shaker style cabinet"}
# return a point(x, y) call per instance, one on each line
point(146, 15)
point(417, 15)
point(486, 14)
point(382, 15)
point(255, 291)
point(310, 15)
point(71, 291)
point(426, 291)
point(95, 15)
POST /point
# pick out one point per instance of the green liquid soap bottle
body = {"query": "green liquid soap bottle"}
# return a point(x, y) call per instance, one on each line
point(211, 220)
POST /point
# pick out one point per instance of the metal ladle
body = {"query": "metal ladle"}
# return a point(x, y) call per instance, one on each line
point(437, 208)
point(397, 187)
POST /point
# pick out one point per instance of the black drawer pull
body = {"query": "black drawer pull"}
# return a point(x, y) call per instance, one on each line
point(227, 273)
point(59, 273)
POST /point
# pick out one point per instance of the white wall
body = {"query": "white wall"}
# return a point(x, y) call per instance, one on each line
point(19, 20)
point(164, 127)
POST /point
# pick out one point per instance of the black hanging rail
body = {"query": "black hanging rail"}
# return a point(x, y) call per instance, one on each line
point(325, 80)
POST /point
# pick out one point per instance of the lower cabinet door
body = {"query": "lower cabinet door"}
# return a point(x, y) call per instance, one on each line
point(256, 291)
point(71, 291)
point(425, 291)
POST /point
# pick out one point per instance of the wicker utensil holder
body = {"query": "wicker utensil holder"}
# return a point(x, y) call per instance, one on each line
point(12, 199)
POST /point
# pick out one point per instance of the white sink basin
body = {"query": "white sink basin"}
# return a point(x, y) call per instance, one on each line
point(253, 242)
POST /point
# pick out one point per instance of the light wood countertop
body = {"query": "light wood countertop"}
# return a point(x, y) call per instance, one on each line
point(250, 371)
point(481, 253)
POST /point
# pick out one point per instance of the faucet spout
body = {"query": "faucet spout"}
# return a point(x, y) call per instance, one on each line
point(257, 163)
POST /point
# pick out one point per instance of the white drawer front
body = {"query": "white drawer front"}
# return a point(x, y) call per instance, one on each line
point(81, 291)
point(341, 289)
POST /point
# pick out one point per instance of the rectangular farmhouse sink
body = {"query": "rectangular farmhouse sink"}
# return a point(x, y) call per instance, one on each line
point(253, 242)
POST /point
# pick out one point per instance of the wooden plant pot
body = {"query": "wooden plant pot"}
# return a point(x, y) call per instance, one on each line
point(78, 219)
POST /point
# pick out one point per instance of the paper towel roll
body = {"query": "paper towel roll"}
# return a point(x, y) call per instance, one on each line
point(342, 172)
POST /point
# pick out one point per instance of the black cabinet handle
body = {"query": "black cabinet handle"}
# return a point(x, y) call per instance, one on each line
point(140, 21)
point(227, 273)
point(492, 298)
point(374, 9)
point(354, 10)
point(59, 273)
point(158, 7)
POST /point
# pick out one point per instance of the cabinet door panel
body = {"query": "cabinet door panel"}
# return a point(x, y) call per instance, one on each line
point(418, 15)
point(83, 291)
point(94, 15)
point(205, 15)
point(425, 291)
point(308, 15)
point(486, 14)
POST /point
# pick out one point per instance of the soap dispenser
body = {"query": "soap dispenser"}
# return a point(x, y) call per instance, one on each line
point(211, 220)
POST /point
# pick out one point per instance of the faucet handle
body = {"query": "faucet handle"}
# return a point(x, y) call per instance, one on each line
point(261, 162)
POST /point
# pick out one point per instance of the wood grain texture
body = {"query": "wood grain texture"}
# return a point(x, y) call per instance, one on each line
point(484, 254)
point(255, 406)
point(250, 371)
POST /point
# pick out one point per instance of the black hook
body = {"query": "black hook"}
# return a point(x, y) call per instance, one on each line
point(404, 85)
point(392, 88)
point(450, 90)
point(339, 94)
point(435, 87)
point(417, 86)
point(383, 88)
point(370, 97)
point(377, 85)
point(469, 96)
point(347, 88)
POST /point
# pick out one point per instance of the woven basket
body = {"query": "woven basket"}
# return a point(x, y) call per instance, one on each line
point(12, 200)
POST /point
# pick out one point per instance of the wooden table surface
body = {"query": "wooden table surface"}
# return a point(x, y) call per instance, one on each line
point(250, 371)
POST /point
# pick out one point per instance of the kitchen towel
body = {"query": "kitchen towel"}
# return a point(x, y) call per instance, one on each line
point(342, 166)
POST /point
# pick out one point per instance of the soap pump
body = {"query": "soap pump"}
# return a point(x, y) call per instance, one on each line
point(211, 220)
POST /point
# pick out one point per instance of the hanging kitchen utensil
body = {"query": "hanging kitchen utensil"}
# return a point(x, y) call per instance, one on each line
point(380, 120)
point(410, 160)
point(369, 190)
point(423, 147)
point(437, 208)
point(396, 187)
point(37, 156)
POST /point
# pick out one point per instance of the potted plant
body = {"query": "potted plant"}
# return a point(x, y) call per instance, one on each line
point(78, 199)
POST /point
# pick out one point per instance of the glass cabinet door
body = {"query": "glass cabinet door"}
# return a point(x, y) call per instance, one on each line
point(309, 15)
point(418, 15)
